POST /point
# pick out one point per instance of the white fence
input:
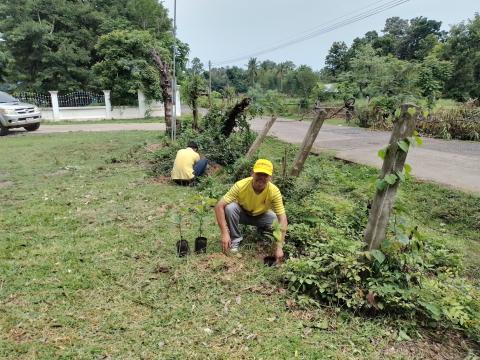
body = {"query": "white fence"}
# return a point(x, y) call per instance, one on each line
point(144, 109)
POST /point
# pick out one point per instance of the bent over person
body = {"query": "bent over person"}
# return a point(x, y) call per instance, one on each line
point(250, 201)
point(188, 165)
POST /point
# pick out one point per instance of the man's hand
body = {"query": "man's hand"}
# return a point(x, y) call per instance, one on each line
point(226, 242)
point(278, 254)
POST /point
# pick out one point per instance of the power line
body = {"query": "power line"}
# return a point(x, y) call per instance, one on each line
point(322, 29)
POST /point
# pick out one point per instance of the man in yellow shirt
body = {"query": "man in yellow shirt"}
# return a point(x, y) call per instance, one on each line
point(250, 201)
point(188, 165)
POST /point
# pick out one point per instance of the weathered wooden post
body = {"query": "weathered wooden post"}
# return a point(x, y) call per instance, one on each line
point(391, 174)
point(260, 137)
point(308, 141)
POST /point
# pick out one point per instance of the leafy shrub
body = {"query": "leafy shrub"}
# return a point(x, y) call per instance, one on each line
point(212, 143)
point(408, 277)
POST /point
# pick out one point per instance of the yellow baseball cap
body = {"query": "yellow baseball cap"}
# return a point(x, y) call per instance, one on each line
point(263, 166)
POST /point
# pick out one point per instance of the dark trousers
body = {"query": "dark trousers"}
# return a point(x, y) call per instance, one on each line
point(198, 170)
point(200, 167)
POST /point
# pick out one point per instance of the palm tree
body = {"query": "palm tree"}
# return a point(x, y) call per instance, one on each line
point(282, 70)
point(252, 71)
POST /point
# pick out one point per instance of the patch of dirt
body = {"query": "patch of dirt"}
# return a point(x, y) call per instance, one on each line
point(58, 173)
point(161, 269)
point(219, 262)
point(18, 335)
point(162, 209)
point(5, 184)
point(162, 180)
point(447, 346)
point(153, 147)
point(213, 168)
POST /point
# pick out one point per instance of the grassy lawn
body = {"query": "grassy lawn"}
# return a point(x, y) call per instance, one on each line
point(88, 267)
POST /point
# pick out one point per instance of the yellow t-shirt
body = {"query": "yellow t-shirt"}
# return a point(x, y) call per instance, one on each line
point(183, 165)
point(255, 204)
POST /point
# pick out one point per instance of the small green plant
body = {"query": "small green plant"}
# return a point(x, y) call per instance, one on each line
point(201, 207)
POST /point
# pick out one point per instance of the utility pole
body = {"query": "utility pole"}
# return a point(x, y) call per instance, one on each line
point(174, 82)
point(210, 83)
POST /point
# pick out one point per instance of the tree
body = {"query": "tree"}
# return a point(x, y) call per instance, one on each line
point(396, 27)
point(432, 77)
point(282, 69)
point(306, 80)
point(126, 65)
point(192, 88)
point(420, 37)
point(52, 42)
point(252, 71)
point(337, 58)
point(197, 66)
point(5, 61)
point(462, 49)
point(376, 75)
point(237, 78)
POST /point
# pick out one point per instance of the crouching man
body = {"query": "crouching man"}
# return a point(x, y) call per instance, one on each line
point(250, 201)
point(188, 165)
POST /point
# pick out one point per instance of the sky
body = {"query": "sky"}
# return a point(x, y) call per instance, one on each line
point(220, 30)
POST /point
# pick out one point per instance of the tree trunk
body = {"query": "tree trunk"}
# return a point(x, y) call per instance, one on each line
point(394, 161)
point(231, 120)
point(195, 113)
point(259, 140)
point(167, 91)
point(308, 141)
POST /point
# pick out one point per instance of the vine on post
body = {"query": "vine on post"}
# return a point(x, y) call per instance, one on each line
point(393, 172)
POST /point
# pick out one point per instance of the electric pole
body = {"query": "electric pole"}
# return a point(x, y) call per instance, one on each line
point(210, 83)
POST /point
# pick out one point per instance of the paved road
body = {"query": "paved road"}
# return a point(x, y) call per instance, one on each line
point(452, 163)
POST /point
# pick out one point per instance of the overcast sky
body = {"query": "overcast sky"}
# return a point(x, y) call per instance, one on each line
point(219, 30)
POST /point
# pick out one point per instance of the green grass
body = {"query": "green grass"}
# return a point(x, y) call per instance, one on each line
point(88, 266)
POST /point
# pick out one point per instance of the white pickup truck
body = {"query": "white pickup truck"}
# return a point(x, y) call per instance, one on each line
point(15, 114)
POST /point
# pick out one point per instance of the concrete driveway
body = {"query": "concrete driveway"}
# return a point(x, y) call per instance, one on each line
point(452, 163)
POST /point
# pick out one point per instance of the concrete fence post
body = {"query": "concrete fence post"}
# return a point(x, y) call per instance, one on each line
point(141, 104)
point(178, 105)
point(55, 107)
point(108, 104)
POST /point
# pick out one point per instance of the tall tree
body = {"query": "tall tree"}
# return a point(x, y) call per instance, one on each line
point(462, 49)
point(337, 58)
point(197, 66)
point(126, 65)
point(252, 71)
point(52, 42)
point(192, 88)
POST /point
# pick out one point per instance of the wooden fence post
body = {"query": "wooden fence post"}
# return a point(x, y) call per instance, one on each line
point(260, 137)
point(387, 186)
point(308, 141)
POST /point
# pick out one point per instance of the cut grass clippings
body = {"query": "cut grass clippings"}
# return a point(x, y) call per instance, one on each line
point(88, 265)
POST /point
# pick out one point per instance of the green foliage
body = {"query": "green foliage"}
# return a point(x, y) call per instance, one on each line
point(412, 278)
point(242, 168)
point(337, 59)
point(462, 50)
point(126, 54)
point(53, 42)
point(217, 148)
point(201, 206)
point(432, 78)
